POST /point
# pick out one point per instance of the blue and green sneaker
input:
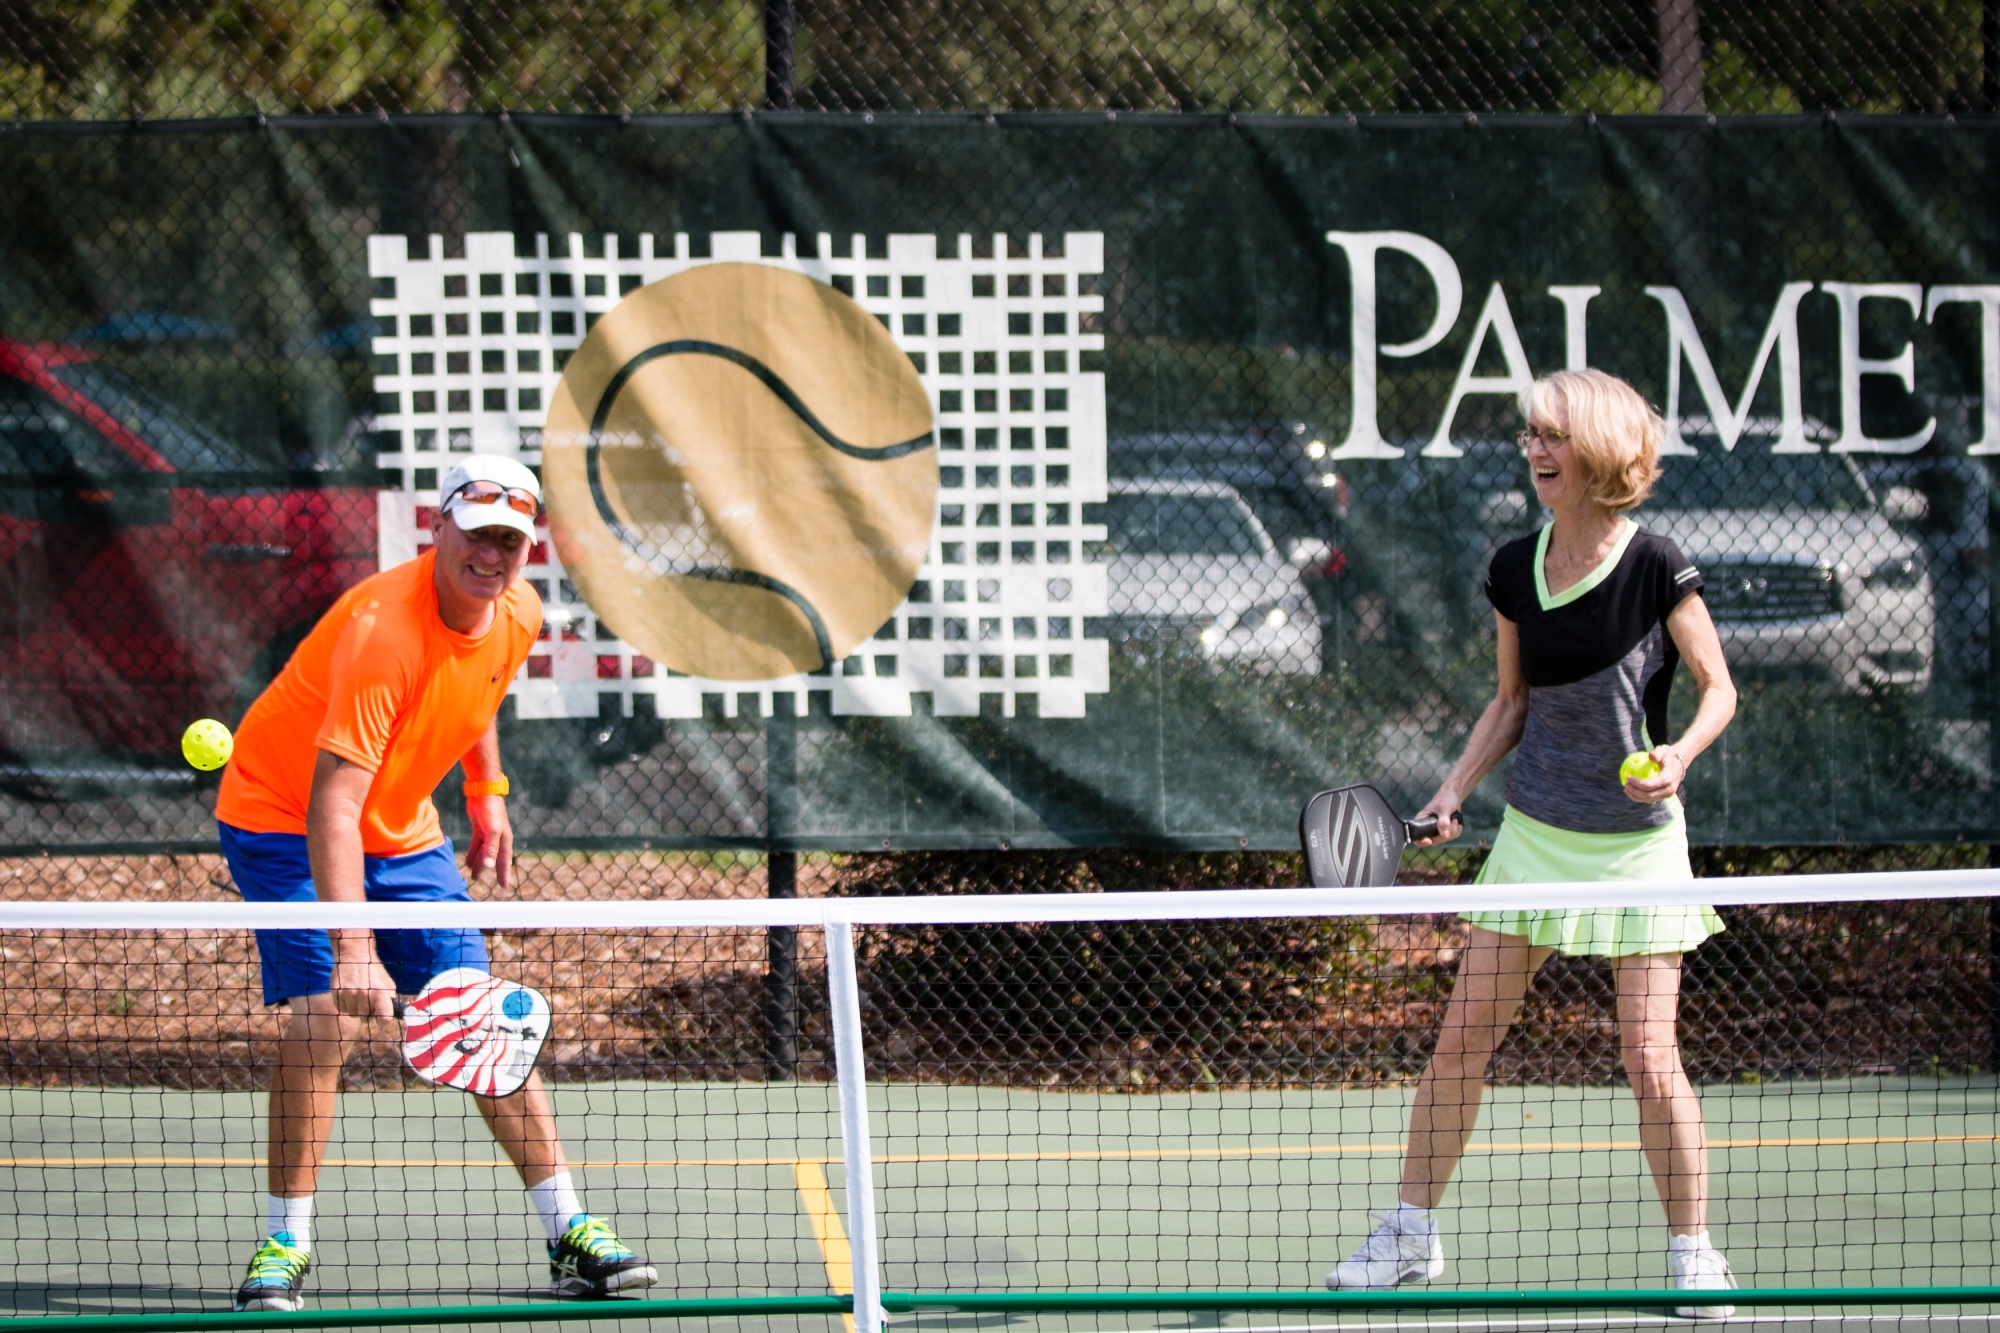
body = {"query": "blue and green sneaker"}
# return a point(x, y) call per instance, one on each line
point(277, 1277)
point(589, 1260)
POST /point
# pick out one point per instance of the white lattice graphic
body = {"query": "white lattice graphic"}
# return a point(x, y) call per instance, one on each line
point(474, 347)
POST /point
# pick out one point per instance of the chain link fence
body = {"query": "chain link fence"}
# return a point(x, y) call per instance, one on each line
point(1784, 993)
point(217, 395)
point(101, 61)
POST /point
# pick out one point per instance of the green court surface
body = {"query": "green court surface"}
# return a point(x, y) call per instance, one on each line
point(126, 1201)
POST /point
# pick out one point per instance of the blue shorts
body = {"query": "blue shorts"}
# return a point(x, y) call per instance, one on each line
point(274, 868)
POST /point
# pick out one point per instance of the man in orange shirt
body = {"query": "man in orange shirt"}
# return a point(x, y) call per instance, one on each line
point(328, 796)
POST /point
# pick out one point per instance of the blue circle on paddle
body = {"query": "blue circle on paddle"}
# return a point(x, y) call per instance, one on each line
point(518, 1005)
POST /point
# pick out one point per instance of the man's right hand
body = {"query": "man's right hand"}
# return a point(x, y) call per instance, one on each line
point(361, 985)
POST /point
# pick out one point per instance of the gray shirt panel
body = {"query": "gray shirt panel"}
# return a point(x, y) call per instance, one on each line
point(1566, 767)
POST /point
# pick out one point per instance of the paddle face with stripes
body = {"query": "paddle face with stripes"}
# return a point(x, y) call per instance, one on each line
point(1353, 840)
point(473, 1031)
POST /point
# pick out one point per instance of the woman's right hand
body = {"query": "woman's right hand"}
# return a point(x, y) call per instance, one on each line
point(1444, 807)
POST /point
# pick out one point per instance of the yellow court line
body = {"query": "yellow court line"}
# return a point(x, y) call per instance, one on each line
point(825, 1219)
point(1091, 1155)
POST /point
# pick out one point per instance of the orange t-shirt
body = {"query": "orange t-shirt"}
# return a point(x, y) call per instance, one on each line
point(385, 683)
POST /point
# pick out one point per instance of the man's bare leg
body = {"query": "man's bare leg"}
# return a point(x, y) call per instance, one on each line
point(524, 1125)
point(304, 1092)
point(586, 1258)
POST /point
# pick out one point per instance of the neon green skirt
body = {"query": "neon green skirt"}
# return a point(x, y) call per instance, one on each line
point(1531, 852)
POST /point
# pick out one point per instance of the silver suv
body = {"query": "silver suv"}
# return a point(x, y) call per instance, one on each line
point(1805, 568)
point(1193, 569)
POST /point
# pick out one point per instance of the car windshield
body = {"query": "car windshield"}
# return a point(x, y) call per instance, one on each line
point(1757, 479)
point(186, 444)
point(1170, 524)
point(40, 439)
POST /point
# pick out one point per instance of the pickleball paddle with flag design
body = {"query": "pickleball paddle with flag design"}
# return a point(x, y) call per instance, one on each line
point(470, 1030)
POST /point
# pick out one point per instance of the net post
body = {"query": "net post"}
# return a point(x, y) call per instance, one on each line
point(1993, 968)
point(857, 1159)
point(1991, 13)
point(781, 880)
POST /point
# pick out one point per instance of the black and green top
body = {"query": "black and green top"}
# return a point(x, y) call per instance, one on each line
point(1598, 662)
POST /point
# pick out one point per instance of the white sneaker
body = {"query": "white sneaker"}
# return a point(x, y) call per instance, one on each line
point(1393, 1254)
point(1693, 1264)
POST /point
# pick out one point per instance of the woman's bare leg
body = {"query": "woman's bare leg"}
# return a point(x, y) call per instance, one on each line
point(1493, 976)
point(1670, 1129)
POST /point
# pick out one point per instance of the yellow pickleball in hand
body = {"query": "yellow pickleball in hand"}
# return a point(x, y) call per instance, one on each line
point(1638, 766)
point(207, 744)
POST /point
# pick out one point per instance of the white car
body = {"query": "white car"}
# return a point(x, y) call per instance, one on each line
point(1193, 569)
point(1804, 566)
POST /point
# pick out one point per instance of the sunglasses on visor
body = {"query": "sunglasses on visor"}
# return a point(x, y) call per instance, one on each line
point(492, 492)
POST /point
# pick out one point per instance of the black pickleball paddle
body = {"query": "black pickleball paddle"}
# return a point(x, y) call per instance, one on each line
point(1353, 840)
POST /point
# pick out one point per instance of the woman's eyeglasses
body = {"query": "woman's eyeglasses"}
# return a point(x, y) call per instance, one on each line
point(1546, 436)
point(493, 493)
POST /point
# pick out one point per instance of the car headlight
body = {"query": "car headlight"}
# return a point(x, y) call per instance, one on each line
point(1263, 618)
point(1896, 574)
point(1271, 615)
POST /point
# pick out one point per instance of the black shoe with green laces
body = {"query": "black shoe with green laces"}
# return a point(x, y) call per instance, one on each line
point(589, 1260)
point(277, 1277)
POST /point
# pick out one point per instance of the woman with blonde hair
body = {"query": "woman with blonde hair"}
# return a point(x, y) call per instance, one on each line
point(1594, 616)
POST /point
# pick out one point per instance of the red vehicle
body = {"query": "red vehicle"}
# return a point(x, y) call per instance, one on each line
point(151, 572)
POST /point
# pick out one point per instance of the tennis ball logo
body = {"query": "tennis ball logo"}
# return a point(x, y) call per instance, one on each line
point(740, 472)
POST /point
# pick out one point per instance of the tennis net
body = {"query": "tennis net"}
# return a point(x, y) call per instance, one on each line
point(1095, 1102)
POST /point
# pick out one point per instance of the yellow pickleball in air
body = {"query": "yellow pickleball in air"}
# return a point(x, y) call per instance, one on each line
point(207, 744)
point(1638, 766)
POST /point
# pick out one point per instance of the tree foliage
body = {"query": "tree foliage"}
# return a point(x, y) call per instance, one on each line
point(109, 59)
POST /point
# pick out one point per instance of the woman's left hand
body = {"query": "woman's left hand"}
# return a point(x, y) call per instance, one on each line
point(1673, 770)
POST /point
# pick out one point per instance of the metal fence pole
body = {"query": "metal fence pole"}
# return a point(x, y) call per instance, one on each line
point(1989, 50)
point(780, 26)
point(856, 1156)
point(1679, 24)
point(781, 943)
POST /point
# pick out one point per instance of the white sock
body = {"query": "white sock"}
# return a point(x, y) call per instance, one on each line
point(1698, 1241)
point(555, 1199)
point(1414, 1221)
point(289, 1219)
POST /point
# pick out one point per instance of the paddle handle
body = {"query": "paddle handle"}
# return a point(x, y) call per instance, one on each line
point(1425, 826)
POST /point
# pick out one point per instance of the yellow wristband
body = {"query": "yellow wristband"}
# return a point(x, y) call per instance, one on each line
point(496, 787)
